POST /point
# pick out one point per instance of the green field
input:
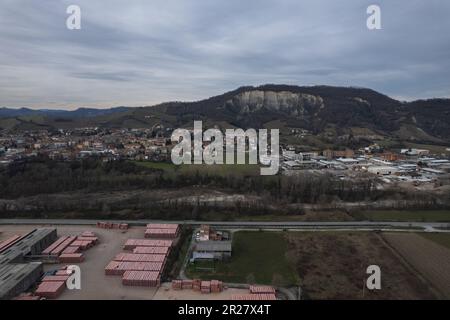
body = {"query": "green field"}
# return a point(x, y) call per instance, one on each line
point(408, 215)
point(156, 165)
point(440, 238)
point(258, 257)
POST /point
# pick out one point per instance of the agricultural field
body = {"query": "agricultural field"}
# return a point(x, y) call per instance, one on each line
point(258, 257)
point(407, 215)
point(439, 238)
point(429, 257)
point(332, 265)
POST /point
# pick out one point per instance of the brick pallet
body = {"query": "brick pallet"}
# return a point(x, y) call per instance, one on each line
point(71, 249)
point(161, 233)
point(50, 289)
point(54, 245)
point(141, 278)
point(110, 225)
point(56, 278)
point(251, 296)
point(135, 257)
point(262, 289)
point(205, 287)
point(71, 258)
point(187, 284)
point(151, 250)
point(87, 234)
point(92, 239)
point(60, 248)
point(83, 245)
point(119, 268)
point(216, 286)
point(131, 244)
point(162, 226)
point(177, 284)
point(196, 284)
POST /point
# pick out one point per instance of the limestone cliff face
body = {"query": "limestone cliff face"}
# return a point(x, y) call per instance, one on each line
point(295, 104)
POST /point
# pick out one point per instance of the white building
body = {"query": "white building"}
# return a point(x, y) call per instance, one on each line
point(348, 161)
point(383, 170)
point(415, 152)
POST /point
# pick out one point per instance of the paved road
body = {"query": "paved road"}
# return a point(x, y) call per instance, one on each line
point(371, 225)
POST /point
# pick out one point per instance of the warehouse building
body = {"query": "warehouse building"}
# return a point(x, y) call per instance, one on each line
point(219, 250)
point(383, 170)
point(17, 274)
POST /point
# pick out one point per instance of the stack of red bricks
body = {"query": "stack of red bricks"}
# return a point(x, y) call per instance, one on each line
point(162, 230)
point(117, 268)
point(196, 284)
point(141, 278)
point(213, 286)
point(216, 286)
point(132, 244)
point(68, 248)
point(186, 284)
point(177, 284)
point(182, 284)
point(257, 293)
point(53, 286)
point(145, 263)
point(112, 225)
point(205, 287)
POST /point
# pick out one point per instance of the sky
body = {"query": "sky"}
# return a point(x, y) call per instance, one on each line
point(141, 52)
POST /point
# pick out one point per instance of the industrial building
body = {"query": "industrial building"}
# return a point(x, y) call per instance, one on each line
point(220, 250)
point(17, 270)
point(207, 233)
point(382, 170)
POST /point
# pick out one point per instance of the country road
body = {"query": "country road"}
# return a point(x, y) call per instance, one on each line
point(346, 225)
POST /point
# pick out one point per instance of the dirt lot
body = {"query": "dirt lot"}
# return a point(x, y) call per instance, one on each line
point(432, 260)
point(94, 283)
point(332, 265)
point(165, 292)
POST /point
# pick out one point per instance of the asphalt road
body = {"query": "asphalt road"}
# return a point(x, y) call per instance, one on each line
point(372, 225)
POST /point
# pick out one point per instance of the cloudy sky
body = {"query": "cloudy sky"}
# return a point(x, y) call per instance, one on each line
point(141, 52)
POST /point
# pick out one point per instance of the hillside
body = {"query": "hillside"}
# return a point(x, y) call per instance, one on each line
point(328, 113)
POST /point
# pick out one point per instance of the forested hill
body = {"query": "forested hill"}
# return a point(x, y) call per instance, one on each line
point(326, 110)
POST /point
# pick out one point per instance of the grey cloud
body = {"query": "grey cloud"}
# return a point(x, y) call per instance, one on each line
point(144, 52)
point(111, 76)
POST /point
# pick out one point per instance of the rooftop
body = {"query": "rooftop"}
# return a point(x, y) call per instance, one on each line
point(216, 246)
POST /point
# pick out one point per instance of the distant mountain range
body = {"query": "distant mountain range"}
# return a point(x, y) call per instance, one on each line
point(78, 113)
point(330, 114)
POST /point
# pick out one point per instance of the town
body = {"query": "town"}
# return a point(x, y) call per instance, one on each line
point(417, 167)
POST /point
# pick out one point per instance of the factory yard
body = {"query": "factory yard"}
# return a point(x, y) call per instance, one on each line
point(431, 259)
point(94, 283)
point(332, 265)
point(327, 264)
